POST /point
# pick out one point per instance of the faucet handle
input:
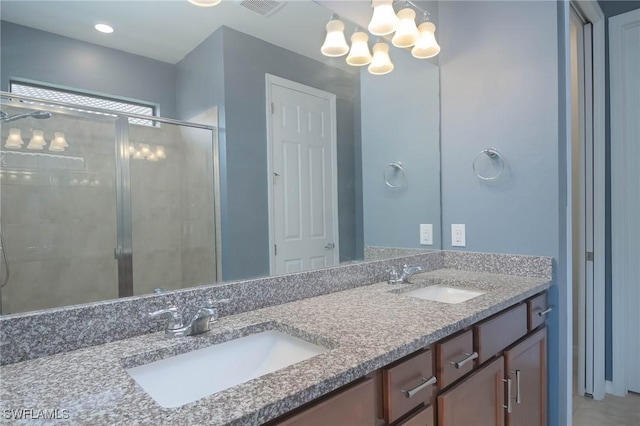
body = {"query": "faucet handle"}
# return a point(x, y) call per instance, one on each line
point(175, 320)
point(393, 276)
point(214, 303)
point(210, 308)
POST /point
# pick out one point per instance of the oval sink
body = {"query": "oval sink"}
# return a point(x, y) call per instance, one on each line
point(444, 294)
point(181, 379)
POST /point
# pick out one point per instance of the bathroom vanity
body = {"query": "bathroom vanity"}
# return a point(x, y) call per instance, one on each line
point(388, 357)
point(491, 373)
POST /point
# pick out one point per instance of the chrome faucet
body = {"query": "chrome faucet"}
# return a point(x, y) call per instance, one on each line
point(405, 277)
point(408, 272)
point(200, 323)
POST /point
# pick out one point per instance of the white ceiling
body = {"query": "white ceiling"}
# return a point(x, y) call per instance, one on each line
point(167, 30)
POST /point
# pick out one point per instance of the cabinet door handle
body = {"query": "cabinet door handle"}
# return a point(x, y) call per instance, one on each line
point(518, 398)
point(508, 406)
point(425, 382)
point(462, 362)
point(545, 312)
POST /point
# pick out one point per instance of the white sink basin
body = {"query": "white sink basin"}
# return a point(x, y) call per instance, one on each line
point(441, 293)
point(175, 381)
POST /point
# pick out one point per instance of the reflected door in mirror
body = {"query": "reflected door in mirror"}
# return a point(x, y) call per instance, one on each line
point(303, 158)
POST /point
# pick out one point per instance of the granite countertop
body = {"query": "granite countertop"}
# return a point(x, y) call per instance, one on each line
point(364, 329)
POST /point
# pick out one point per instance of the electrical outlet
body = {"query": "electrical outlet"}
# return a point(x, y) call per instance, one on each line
point(426, 234)
point(458, 238)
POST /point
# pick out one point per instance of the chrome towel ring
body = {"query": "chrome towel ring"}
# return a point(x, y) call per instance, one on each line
point(396, 167)
point(493, 154)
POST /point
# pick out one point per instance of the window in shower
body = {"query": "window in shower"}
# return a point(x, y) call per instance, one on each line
point(88, 100)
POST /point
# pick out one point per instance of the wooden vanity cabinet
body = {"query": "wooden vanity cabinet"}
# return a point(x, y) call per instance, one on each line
point(526, 366)
point(538, 309)
point(424, 417)
point(407, 384)
point(478, 400)
point(520, 366)
point(353, 406)
point(491, 336)
point(493, 373)
point(455, 358)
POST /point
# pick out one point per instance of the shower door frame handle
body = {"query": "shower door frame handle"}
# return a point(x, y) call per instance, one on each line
point(124, 250)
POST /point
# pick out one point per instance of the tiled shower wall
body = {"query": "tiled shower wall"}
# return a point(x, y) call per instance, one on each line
point(172, 210)
point(59, 214)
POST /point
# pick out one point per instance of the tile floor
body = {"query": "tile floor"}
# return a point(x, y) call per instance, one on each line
point(611, 411)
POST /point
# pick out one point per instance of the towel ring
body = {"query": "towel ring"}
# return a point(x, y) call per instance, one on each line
point(493, 154)
point(396, 167)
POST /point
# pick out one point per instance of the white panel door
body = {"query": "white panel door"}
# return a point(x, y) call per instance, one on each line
point(304, 180)
point(624, 61)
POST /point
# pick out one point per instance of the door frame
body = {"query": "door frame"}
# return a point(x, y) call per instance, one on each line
point(619, 203)
point(271, 80)
point(592, 12)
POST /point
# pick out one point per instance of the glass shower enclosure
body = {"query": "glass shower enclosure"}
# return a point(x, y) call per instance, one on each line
point(93, 207)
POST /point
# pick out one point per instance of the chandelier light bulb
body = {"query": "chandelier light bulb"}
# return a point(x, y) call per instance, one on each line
point(58, 143)
point(145, 150)
point(381, 63)
point(426, 46)
point(37, 141)
point(359, 55)
point(14, 140)
point(384, 20)
point(160, 152)
point(407, 33)
point(335, 44)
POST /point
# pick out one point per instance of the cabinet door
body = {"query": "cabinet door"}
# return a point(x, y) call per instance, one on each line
point(424, 417)
point(526, 365)
point(353, 406)
point(478, 400)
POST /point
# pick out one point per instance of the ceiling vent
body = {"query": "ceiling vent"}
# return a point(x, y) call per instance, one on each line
point(262, 7)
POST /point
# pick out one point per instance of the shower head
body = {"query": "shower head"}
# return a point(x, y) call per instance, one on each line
point(33, 114)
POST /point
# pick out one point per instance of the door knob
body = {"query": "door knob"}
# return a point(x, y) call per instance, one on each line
point(330, 246)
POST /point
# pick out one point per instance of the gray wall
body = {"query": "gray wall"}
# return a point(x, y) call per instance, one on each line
point(610, 8)
point(392, 217)
point(499, 70)
point(244, 183)
point(44, 57)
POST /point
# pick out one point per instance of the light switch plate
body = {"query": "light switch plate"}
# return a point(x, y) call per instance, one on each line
point(458, 238)
point(426, 234)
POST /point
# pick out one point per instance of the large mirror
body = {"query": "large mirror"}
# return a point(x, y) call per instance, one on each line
point(253, 72)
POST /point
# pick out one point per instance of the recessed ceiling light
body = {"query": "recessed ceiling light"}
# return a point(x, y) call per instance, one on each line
point(104, 28)
point(205, 3)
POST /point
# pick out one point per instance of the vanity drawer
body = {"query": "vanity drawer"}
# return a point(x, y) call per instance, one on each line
point(495, 334)
point(407, 384)
point(353, 406)
point(454, 358)
point(424, 417)
point(537, 311)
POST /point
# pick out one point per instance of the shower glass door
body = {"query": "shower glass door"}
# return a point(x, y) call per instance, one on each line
point(172, 207)
point(117, 209)
point(57, 209)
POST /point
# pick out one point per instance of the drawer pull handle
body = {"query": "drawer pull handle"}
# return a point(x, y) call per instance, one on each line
point(462, 362)
point(518, 398)
point(425, 382)
point(508, 406)
point(545, 312)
